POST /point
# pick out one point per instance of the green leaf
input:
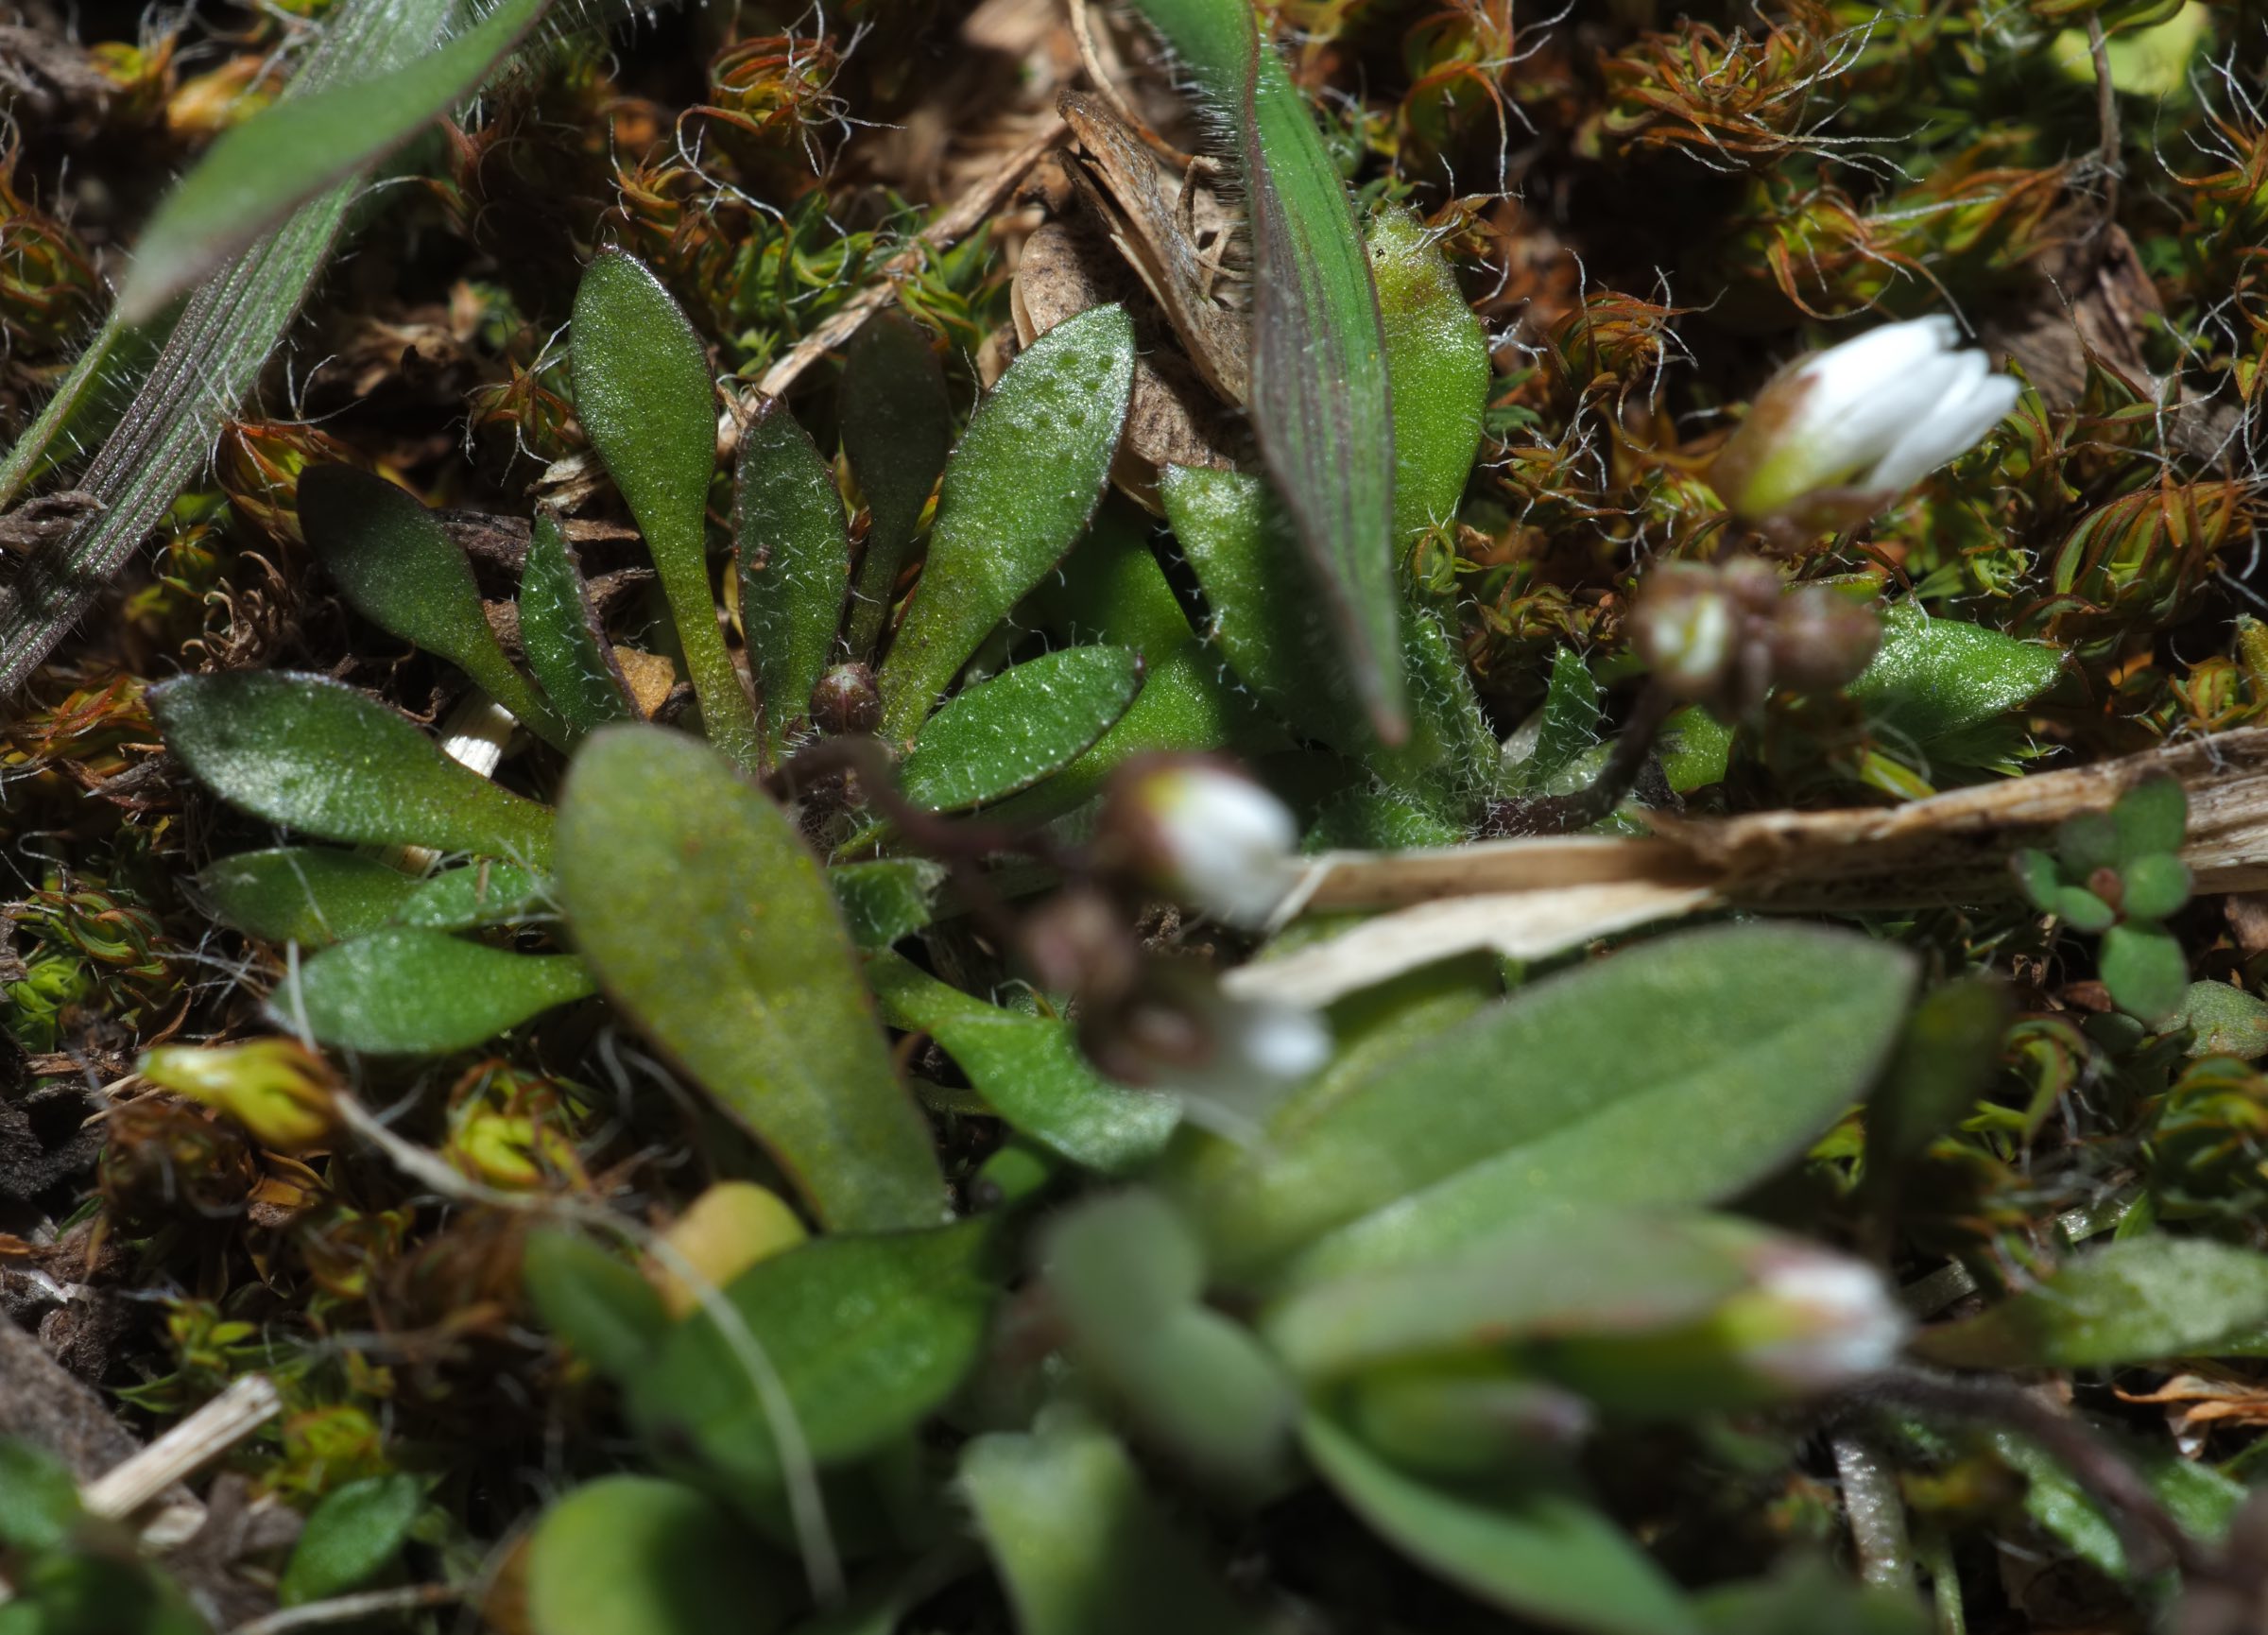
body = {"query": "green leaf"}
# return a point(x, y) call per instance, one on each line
point(561, 633)
point(1695, 749)
point(1934, 676)
point(2036, 872)
point(2151, 819)
point(794, 562)
point(1031, 720)
point(2157, 884)
point(312, 895)
point(866, 1335)
point(887, 900)
point(1945, 1060)
point(1671, 1074)
point(351, 1537)
point(483, 893)
point(2082, 910)
point(39, 1501)
point(316, 755)
point(1319, 381)
point(1122, 1274)
point(258, 172)
point(1029, 1070)
point(1437, 363)
point(2145, 970)
point(896, 427)
point(636, 1556)
point(2198, 1497)
point(642, 392)
point(695, 900)
point(588, 1299)
point(1810, 1597)
point(1082, 1546)
point(2086, 841)
point(397, 567)
point(403, 990)
point(1527, 1544)
point(2136, 1301)
point(1017, 493)
point(1568, 730)
point(1611, 1274)
point(211, 357)
point(2223, 1020)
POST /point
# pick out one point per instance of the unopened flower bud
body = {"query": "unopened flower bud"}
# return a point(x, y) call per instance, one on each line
point(1840, 433)
point(1688, 627)
point(272, 1087)
point(1078, 941)
point(1807, 1322)
point(1202, 831)
point(1725, 636)
point(845, 700)
point(1178, 1031)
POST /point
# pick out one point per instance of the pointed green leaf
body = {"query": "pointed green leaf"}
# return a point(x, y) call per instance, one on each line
point(559, 632)
point(866, 1335)
point(352, 1536)
point(1934, 676)
point(403, 990)
point(637, 1555)
point(1017, 493)
point(399, 569)
point(1569, 729)
point(258, 172)
point(1082, 1546)
point(2142, 1301)
point(1671, 1074)
point(896, 427)
point(795, 564)
point(316, 755)
point(306, 894)
point(483, 893)
point(642, 392)
point(1527, 1544)
point(1007, 734)
point(1438, 361)
point(1029, 1070)
point(707, 918)
point(1319, 382)
point(886, 900)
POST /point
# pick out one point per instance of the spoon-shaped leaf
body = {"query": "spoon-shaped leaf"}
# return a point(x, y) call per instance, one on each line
point(306, 894)
point(404, 990)
point(1030, 721)
point(1438, 359)
point(1320, 402)
point(1029, 1070)
point(258, 172)
point(2136, 1301)
point(313, 753)
point(794, 562)
point(559, 632)
point(896, 427)
point(398, 568)
point(707, 918)
point(1671, 1074)
point(1018, 491)
point(642, 391)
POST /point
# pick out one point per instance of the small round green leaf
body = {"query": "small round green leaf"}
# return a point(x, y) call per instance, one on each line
point(2157, 884)
point(634, 1555)
point(2082, 910)
point(2144, 969)
point(2150, 818)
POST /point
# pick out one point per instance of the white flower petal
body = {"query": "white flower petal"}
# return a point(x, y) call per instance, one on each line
point(1979, 403)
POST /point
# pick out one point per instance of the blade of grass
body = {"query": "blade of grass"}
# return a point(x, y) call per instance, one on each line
point(209, 362)
point(284, 156)
point(1321, 401)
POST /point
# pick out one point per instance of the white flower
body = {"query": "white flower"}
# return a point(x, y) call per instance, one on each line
point(1851, 427)
point(1841, 1322)
point(1210, 836)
